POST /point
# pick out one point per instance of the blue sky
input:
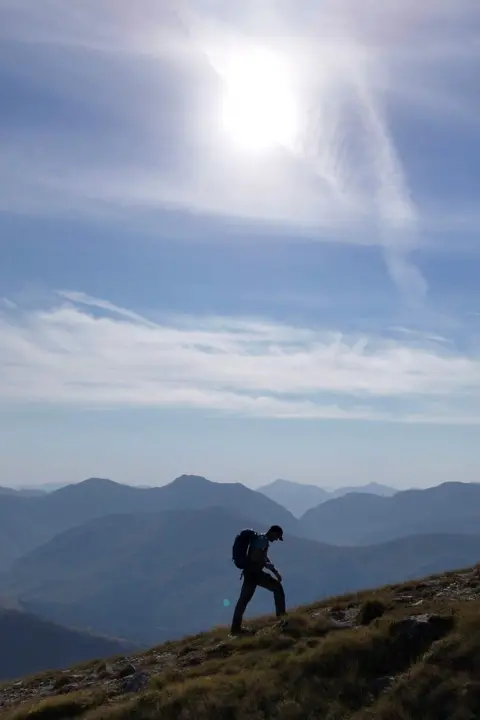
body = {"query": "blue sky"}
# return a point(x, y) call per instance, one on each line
point(239, 239)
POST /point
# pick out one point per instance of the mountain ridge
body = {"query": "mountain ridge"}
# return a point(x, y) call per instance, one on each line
point(27, 522)
point(361, 519)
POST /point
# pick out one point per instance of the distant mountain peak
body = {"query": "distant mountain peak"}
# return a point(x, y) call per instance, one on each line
point(291, 483)
point(296, 497)
point(287, 484)
point(98, 482)
point(191, 480)
point(92, 483)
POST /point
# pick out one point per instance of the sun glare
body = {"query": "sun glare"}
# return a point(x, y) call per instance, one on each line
point(259, 107)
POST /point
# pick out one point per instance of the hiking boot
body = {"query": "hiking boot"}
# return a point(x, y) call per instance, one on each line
point(241, 632)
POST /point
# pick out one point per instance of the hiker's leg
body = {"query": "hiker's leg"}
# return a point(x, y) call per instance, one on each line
point(246, 594)
point(270, 583)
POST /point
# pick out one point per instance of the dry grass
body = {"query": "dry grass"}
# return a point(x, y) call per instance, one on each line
point(57, 707)
point(310, 667)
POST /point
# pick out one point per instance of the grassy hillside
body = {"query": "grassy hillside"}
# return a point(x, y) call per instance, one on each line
point(402, 652)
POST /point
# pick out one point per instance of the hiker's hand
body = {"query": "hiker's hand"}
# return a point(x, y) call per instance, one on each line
point(279, 577)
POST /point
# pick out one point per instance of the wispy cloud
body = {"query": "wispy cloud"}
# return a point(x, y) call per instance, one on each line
point(88, 352)
point(421, 335)
point(83, 299)
point(6, 302)
point(143, 82)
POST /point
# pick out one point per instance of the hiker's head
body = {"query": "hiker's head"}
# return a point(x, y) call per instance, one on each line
point(275, 533)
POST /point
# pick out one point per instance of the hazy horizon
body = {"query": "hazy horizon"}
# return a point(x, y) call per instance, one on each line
point(133, 483)
point(159, 482)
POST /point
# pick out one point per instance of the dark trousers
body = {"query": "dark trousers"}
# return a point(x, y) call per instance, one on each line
point(252, 580)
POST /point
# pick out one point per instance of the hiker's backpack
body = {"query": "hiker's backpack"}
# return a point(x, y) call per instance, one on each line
point(241, 547)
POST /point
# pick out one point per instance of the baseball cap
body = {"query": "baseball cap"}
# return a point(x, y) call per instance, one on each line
point(277, 529)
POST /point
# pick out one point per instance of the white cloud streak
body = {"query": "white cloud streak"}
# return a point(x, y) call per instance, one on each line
point(88, 352)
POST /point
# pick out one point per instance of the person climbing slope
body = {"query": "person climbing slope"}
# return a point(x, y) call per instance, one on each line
point(250, 554)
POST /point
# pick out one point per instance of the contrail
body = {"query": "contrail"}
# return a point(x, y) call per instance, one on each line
point(397, 214)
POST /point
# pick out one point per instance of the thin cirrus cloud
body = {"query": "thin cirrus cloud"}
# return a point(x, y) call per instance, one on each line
point(143, 81)
point(88, 352)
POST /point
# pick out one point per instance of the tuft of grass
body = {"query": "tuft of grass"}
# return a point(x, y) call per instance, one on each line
point(370, 611)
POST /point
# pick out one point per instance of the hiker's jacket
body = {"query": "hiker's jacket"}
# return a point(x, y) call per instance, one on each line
point(258, 553)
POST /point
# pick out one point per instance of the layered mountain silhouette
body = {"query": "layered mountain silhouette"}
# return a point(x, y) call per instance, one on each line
point(151, 564)
point(298, 498)
point(44, 487)
point(360, 519)
point(372, 488)
point(150, 577)
point(27, 522)
point(29, 644)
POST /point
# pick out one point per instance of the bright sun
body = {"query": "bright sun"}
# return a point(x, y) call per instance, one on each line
point(259, 107)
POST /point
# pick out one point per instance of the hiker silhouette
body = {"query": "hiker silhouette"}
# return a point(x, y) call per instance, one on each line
point(250, 554)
